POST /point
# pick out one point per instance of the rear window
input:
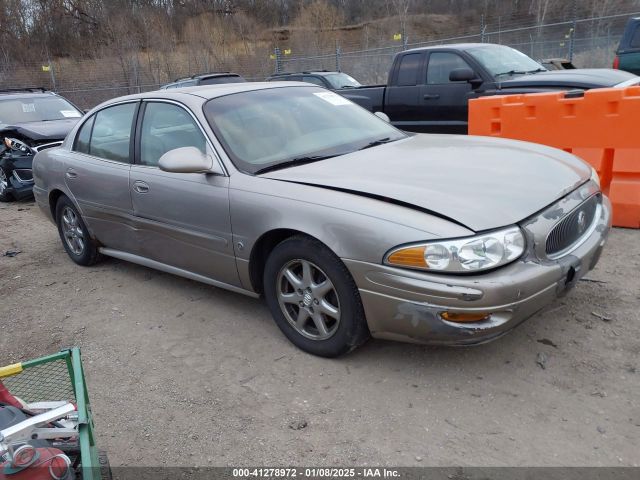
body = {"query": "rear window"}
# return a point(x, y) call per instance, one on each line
point(409, 68)
point(635, 38)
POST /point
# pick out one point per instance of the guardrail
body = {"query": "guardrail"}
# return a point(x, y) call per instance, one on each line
point(600, 126)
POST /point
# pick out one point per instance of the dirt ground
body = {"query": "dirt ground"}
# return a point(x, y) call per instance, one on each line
point(185, 374)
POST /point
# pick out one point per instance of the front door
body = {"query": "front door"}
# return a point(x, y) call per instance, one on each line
point(446, 101)
point(182, 218)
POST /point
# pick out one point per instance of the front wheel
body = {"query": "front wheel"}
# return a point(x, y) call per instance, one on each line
point(74, 234)
point(313, 298)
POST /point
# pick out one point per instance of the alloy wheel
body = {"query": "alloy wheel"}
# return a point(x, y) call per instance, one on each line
point(308, 299)
point(72, 231)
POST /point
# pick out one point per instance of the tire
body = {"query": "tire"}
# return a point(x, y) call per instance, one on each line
point(5, 196)
point(74, 234)
point(304, 306)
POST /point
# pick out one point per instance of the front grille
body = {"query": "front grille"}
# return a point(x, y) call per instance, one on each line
point(573, 227)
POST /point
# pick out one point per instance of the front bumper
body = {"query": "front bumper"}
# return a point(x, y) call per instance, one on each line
point(19, 175)
point(406, 305)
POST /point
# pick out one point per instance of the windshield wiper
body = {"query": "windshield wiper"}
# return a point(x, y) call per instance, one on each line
point(520, 72)
point(293, 163)
point(511, 72)
point(375, 143)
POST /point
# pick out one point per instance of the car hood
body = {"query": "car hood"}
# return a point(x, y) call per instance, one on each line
point(481, 183)
point(37, 131)
point(578, 78)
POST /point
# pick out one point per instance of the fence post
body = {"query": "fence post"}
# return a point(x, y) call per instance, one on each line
point(574, 24)
point(338, 51)
point(278, 60)
point(53, 76)
point(483, 29)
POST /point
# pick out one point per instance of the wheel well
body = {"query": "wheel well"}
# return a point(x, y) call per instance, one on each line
point(261, 250)
point(54, 196)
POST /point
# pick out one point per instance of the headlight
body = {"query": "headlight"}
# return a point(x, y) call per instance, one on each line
point(17, 145)
point(594, 176)
point(469, 254)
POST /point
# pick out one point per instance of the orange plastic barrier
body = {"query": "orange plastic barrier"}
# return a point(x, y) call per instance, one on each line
point(601, 127)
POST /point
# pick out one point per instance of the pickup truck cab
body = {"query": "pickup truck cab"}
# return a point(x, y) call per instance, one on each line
point(428, 89)
point(628, 53)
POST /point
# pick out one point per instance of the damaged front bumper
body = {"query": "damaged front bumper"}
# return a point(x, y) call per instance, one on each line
point(19, 175)
point(408, 305)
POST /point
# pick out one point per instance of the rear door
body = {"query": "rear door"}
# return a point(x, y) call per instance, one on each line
point(182, 218)
point(444, 102)
point(97, 175)
point(402, 103)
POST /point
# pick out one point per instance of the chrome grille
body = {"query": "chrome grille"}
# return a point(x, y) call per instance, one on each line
point(568, 231)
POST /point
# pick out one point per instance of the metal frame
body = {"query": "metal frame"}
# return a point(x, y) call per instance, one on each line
point(89, 461)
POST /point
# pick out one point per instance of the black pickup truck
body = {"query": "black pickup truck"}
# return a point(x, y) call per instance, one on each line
point(429, 88)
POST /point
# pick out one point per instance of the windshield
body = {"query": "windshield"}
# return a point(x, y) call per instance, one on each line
point(36, 109)
point(342, 80)
point(505, 61)
point(283, 126)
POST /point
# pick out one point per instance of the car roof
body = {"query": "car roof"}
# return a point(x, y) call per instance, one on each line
point(454, 46)
point(306, 72)
point(206, 75)
point(206, 92)
point(25, 92)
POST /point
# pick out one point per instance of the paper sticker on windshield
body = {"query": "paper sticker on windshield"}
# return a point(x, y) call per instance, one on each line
point(70, 113)
point(332, 98)
point(28, 107)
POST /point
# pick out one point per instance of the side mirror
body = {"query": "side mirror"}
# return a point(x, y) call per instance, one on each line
point(462, 75)
point(383, 116)
point(188, 160)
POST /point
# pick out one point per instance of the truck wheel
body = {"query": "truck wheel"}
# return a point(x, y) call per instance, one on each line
point(74, 234)
point(313, 298)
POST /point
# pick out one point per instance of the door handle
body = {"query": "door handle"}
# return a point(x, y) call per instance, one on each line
point(140, 187)
point(431, 97)
point(71, 173)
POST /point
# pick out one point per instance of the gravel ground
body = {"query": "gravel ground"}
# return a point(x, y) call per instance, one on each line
point(185, 374)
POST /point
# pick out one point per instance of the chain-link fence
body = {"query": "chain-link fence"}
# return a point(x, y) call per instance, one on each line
point(588, 42)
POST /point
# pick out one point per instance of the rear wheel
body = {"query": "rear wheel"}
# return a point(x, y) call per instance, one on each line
point(5, 196)
point(74, 234)
point(313, 298)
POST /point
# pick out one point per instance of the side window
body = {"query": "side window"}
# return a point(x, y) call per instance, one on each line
point(111, 133)
point(165, 127)
point(83, 136)
point(441, 65)
point(408, 69)
point(314, 80)
point(635, 39)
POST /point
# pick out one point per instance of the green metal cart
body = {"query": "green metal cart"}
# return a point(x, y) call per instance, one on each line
point(60, 377)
